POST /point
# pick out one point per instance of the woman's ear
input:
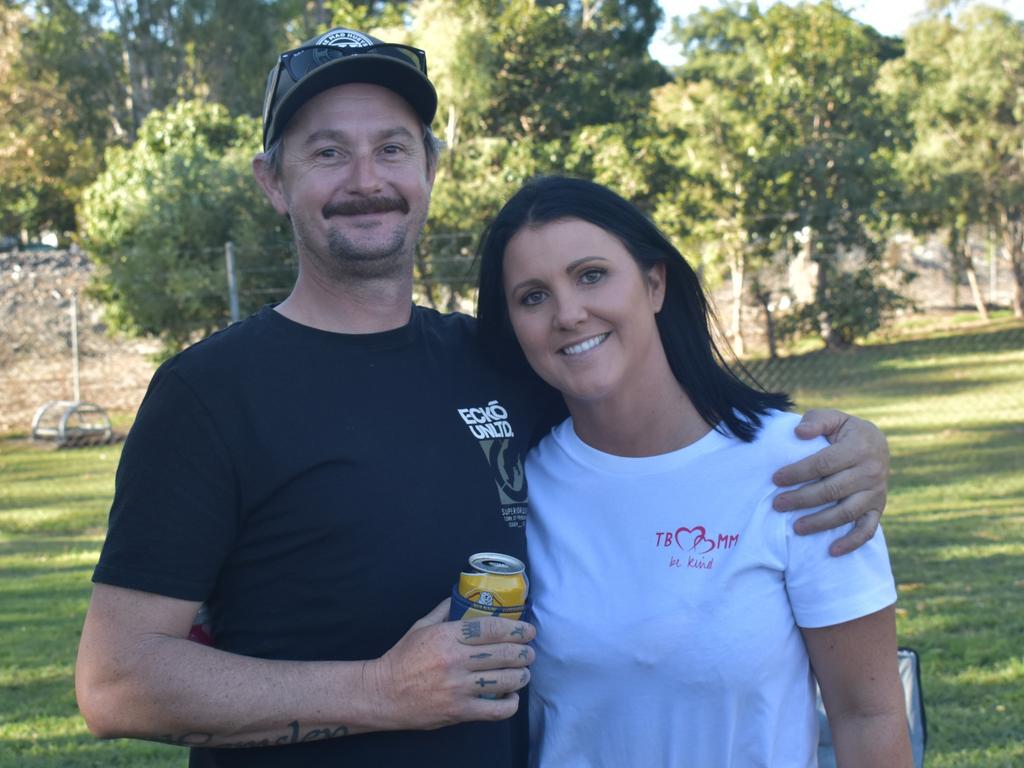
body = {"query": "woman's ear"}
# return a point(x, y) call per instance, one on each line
point(656, 285)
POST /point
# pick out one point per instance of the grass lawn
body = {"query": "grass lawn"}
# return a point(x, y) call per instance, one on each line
point(950, 396)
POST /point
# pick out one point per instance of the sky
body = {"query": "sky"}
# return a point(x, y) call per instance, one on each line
point(890, 17)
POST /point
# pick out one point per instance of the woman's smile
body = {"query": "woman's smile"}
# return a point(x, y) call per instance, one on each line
point(584, 346)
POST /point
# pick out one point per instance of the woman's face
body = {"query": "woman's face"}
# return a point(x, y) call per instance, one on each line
point(582, 309)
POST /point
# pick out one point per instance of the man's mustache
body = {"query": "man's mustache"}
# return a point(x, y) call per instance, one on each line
point(365, 205)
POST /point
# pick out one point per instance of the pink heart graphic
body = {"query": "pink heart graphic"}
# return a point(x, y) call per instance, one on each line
point(698, 538)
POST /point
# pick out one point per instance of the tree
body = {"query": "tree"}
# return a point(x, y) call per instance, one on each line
point(77, 76)
point(157, 219)
point(44, 161)
point(963, 86)
point(786, 130)
point(712, 107)
point(518, 80)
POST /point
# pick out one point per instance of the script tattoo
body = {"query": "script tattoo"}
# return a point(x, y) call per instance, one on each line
point(295, 735)
point(470, 629)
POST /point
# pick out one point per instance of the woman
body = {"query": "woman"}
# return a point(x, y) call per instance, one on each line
point(678, 618)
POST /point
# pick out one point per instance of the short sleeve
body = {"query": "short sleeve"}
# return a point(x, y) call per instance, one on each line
point(175, 512)
point(826, 590)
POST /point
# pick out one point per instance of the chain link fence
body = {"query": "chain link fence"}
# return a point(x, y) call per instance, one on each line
point(38, 338)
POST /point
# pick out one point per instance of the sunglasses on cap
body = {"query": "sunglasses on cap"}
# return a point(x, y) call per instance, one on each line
point(300, 62)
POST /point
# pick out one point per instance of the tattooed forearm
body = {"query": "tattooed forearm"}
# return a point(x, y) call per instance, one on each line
point(295, 735)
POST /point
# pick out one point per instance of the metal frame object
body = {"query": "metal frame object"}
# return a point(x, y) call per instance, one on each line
point(71, 422)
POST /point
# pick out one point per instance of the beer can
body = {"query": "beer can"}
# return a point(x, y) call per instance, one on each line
point(494, 585)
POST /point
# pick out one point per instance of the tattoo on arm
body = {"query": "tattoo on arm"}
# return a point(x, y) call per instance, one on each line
point(295, 735)
point(470, 629)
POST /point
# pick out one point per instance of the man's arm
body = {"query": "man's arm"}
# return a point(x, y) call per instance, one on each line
point(138, 676)
point(856, 666)
point(853, 471)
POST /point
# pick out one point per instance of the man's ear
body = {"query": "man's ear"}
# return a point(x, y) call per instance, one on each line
point(270, 181)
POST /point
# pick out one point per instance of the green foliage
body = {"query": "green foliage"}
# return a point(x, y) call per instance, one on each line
point(46, 154)
point(962, 86)
point(525, 88)
point(518, 68)
point(66, 40)
point(557, 73)
point(775, 124)
point(856, 306)
point(784, 134)
point(158, 217)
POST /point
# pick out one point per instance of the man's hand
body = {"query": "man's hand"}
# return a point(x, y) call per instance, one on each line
point(853, 471)
point(437, 674)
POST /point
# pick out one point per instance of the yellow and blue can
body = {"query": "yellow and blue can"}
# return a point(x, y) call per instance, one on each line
point(495, 585)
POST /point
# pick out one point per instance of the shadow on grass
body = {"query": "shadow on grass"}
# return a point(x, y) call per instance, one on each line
point(32, 696)
point(891, 369)
point(957, 455)
point(43, 500)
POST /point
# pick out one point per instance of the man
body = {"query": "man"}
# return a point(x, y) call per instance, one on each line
point(319, 473)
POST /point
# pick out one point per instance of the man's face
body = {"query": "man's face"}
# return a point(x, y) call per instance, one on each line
point(354, 179)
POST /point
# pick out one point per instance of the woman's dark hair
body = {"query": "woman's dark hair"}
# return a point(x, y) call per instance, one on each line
point(718, 394)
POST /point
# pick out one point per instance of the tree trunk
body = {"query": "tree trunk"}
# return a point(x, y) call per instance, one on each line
point(426, 278)
point(736, 270)
point(972, 281)
point(764, 298)
point(828, 334)
point(954, 265)
point(1012, 222)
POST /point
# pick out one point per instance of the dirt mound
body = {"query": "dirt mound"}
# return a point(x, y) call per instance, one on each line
point(36, 363)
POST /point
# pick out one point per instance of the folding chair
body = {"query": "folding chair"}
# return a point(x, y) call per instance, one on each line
point(910, 675)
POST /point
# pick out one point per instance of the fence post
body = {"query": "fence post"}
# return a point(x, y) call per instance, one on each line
point(229, 257)
point(993, 274)
point(74, 346)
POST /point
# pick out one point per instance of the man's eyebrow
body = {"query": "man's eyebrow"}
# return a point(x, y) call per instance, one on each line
point(329, 134)
point(397, 132)
point(333, 134)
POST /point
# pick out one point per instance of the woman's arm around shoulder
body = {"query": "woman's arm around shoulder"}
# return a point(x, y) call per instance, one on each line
point(857, 669)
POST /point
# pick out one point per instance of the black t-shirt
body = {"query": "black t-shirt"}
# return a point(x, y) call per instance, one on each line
point(321, 492)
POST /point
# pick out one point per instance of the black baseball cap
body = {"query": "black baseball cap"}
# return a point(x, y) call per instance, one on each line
point(344, 56)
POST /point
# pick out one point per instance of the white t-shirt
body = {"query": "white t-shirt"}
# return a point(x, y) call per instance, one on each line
point(667, 596)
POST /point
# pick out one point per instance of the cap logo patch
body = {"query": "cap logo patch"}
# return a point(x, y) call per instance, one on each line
point(339, 38)
point(344, 38)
